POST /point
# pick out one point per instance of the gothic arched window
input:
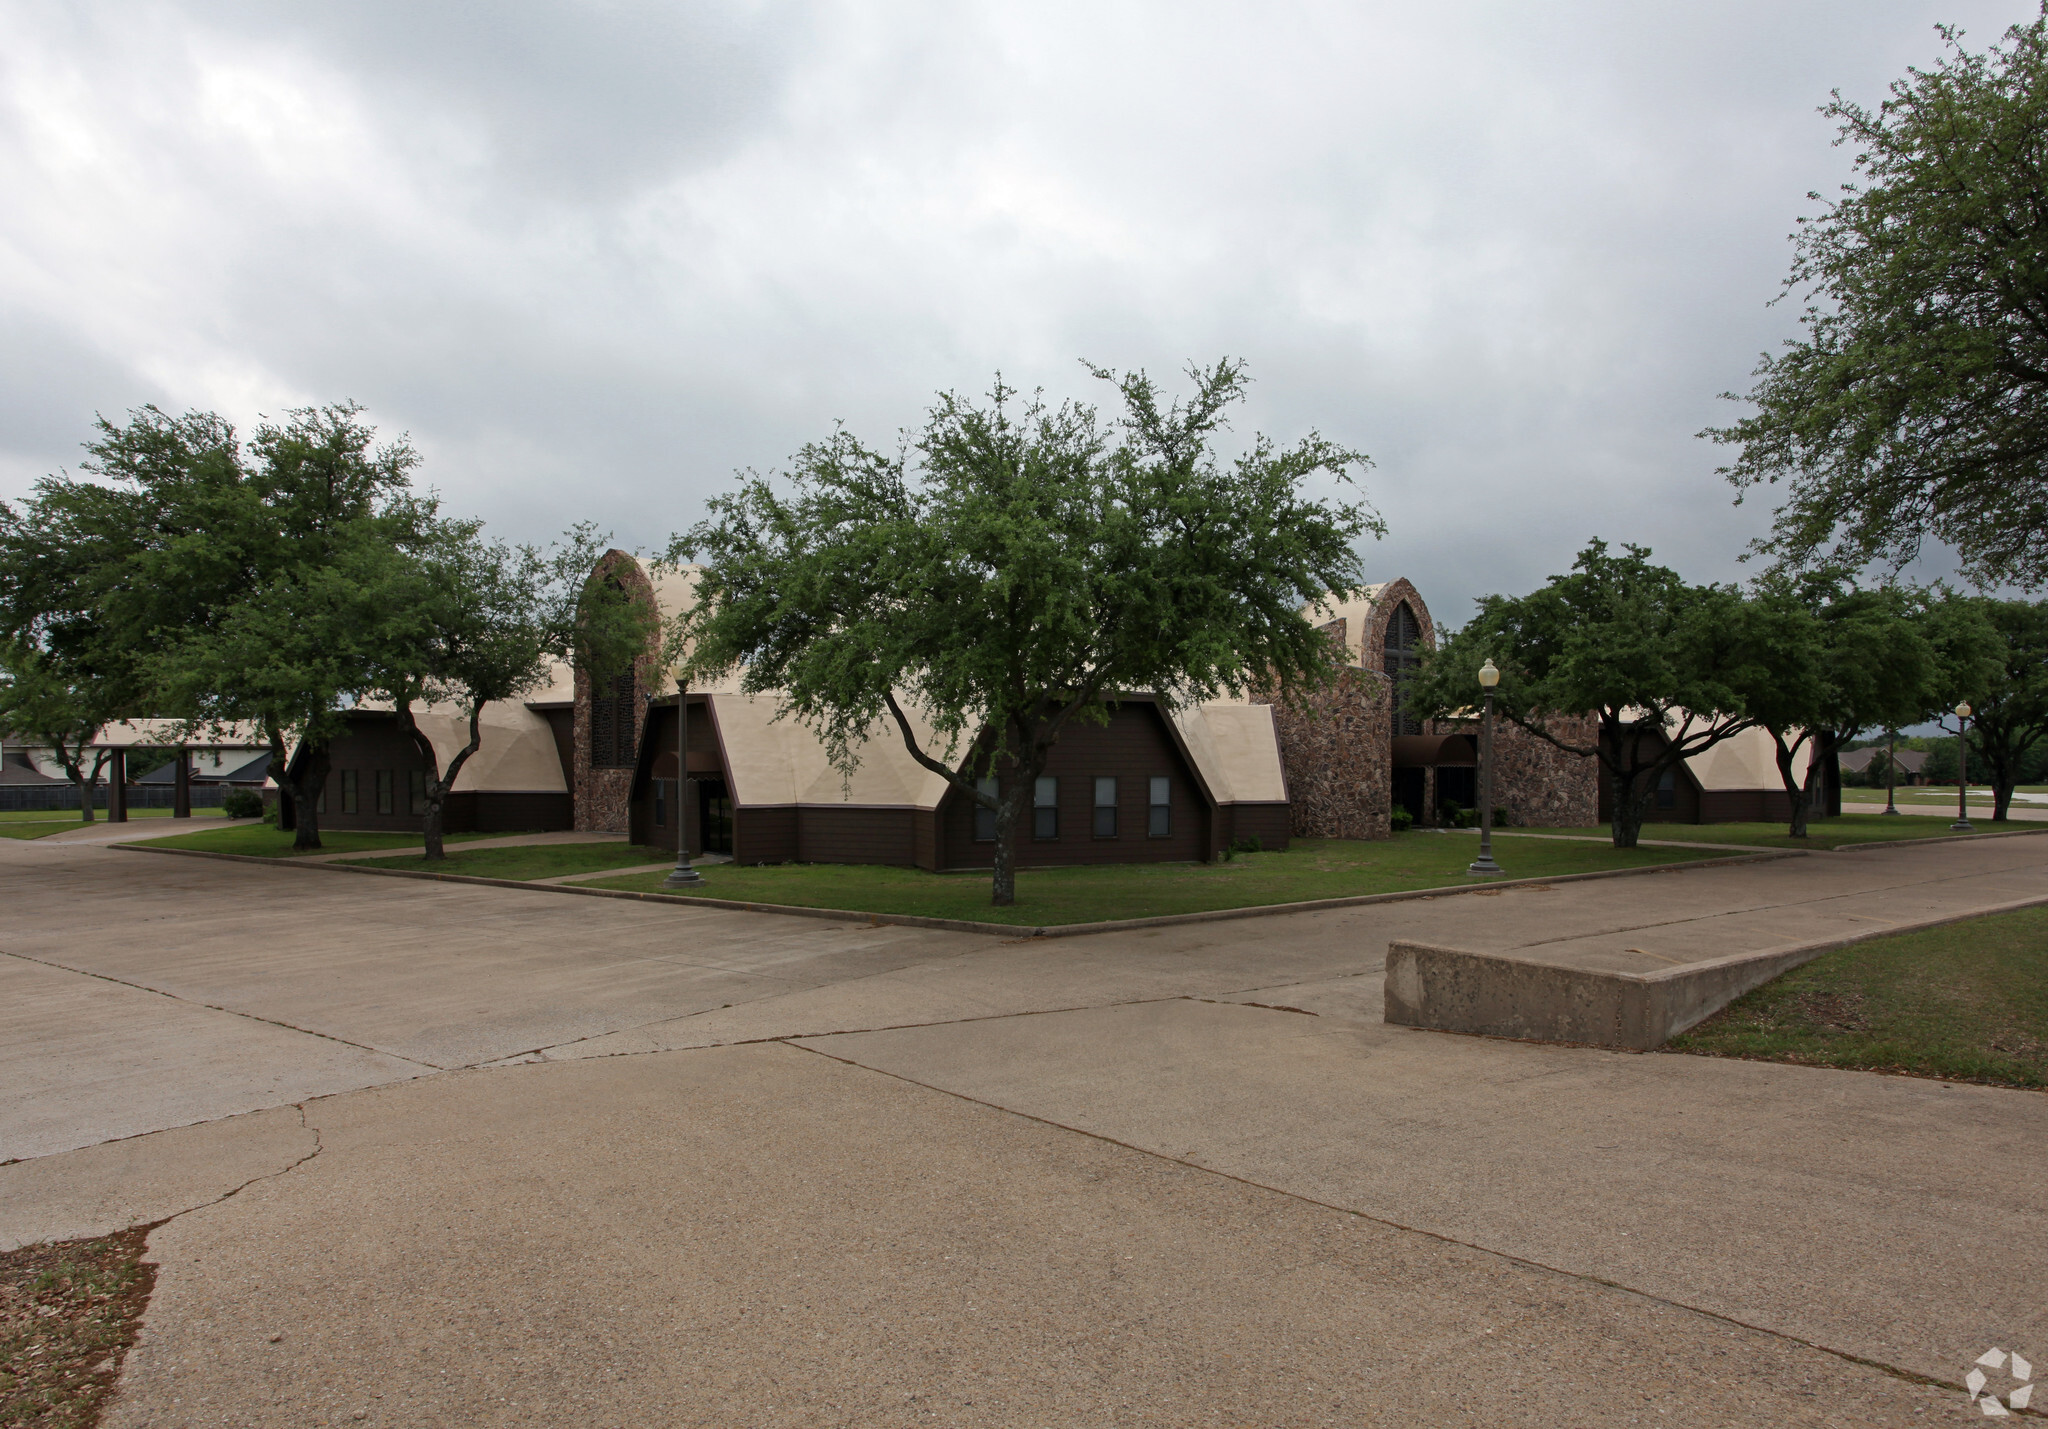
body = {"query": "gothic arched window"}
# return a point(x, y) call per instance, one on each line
point(1403, 650)
point(614, 728)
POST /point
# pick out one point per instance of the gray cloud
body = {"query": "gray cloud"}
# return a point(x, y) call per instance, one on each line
point(594, 257)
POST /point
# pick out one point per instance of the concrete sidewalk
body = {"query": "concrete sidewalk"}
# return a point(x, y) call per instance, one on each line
point(427, 1161)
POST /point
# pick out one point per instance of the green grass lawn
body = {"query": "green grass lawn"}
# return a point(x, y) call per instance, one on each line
point(1967, 1002)
point(37, 823)
point(1311, 868)
point(265, 841)
point(1840, 832)
point(531, 861)
point(1937, 797)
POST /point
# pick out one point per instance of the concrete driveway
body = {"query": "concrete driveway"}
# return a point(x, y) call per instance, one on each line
point(478, 1156)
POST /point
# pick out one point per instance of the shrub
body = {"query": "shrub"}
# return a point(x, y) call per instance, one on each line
point(1401, 819)
point(242, 804)
point(270, 813)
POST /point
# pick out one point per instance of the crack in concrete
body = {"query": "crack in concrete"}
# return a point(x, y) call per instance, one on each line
point(216, 1007)
point(1895, 1371)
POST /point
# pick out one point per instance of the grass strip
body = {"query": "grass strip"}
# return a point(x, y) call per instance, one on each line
point(1965, 1002)
point(528, 861)
point(1844, 831)
point(267, 841)
point(1308, 869)
point(69, 1311)
point(99, 815)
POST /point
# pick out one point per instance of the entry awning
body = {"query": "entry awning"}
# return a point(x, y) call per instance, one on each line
point(1415, 751)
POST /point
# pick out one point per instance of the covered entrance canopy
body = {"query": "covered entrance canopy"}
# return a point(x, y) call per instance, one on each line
point(1421, 751)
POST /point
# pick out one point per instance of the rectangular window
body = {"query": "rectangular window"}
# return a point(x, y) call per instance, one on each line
point(416, 792)
point(348, 791)
point(1159, 820)
point(1667, 789)
point(1105, 807)
point(384, 801)
point(985, 819)
point(320, 804)
point(661, 803)
point(1045, 808)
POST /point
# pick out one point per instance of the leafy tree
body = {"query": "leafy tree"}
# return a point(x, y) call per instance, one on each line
point(60, 708)
point(2011, 706)
point(477, 621)
point(210, 581)
point(1660, 664)
point(1916, 404)
point(326, 537)
point(1827, 661)
point(1011, 571)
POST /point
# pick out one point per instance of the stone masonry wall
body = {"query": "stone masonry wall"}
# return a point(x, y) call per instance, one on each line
point(602, 795)
point(1538, 784)
point(1334, 748)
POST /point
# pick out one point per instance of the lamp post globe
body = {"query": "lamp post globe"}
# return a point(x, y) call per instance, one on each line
point(1962, 824)
point(1489, 676)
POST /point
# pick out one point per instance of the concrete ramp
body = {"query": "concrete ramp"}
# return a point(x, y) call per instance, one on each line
point(1504, 995)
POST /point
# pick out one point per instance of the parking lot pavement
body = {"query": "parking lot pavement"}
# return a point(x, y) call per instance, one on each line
point(763, 1236)
point(569, 1198)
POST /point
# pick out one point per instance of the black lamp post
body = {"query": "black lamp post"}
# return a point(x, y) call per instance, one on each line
point(1962, 823)
point(682, 875)
point(1488, 678)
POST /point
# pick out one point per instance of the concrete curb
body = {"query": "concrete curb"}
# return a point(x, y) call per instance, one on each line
point(959, 925)
point(1500, 995)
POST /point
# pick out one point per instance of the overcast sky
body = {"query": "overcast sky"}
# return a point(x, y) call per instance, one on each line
point(595, 257)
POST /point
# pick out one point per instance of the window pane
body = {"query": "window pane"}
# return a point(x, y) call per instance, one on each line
point(1162, 789)
point(348, 791)
point(1105, 793)
point(661, 803)
point(1105, 821)
point(1045, 811)
point(383, 791)
point(985, 819)
point(1160, 824)
point(1046, 793)
point(416, 792)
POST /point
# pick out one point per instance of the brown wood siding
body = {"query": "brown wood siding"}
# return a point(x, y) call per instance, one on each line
point(829, 835)
point(926, 832)
point(1268, 823)
point(374, 742)
point(1133, 747)
point(764, 834)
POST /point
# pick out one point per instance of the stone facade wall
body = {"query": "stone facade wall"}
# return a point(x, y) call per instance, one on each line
point(1334, 748)
point(603, 795)
point(1537, 783)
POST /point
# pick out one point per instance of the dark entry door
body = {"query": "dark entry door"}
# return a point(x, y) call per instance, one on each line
point(714, 815)
point(1407, 792)
point(1456, 784)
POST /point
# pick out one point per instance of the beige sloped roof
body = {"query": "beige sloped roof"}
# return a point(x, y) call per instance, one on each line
point(245, 734)
point(516, 754)
point(770, 761)
point(1235, 748)
point(1744, 761)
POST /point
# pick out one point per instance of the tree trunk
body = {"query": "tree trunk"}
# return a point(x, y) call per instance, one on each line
point(84, 783)
point(306, 788)
point(431, 824)
point(1627, 822)
point(1798, 793)
point(1003, 889)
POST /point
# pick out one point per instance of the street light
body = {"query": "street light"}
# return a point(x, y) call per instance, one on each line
point(682, 875)
point(1962, 823)
point(1488, 678)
